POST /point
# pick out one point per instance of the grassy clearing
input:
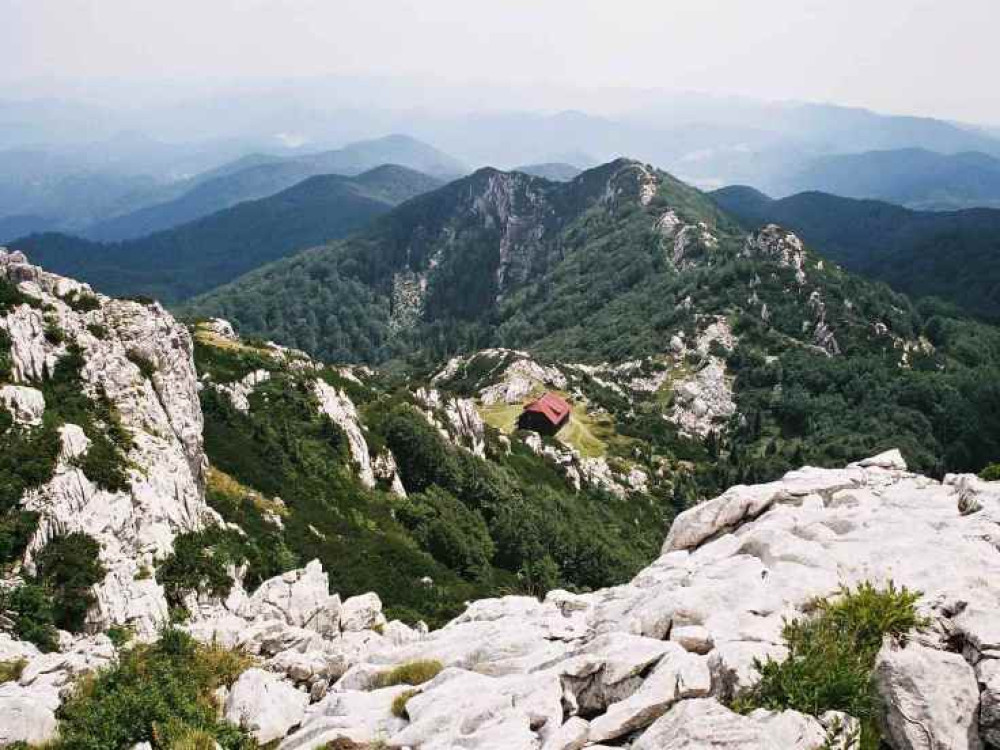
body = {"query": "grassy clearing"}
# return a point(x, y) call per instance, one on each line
point(588, 433)
point(223, 484)
point(501, 416)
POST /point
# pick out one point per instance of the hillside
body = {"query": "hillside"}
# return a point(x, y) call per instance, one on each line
point(255, 177)
point(155, 586)
point(915, 178)
point(609, 268)
point(951, 255)
point(178, 263)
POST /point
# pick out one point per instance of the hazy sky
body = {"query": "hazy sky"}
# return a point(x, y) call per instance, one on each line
point(933, 57)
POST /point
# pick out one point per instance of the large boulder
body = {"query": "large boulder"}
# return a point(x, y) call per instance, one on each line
point(265, 705)
point(300, 598)
point(930, 699)
point(26, 715)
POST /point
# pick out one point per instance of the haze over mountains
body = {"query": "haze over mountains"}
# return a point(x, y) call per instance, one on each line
point(105, 205)
point(177, 263)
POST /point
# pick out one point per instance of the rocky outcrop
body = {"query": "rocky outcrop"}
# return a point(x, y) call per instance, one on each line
point(649, 663)
point(335, 404)
point(774, 243)
point(265, 705)
point(456, 419)
point(139, 359)
point(239, 392)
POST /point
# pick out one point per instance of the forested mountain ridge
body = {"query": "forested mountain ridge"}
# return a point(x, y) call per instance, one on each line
point(912, 177)
point(178, 263)
point(609, 268)
point(260, 176)
point(954, 255)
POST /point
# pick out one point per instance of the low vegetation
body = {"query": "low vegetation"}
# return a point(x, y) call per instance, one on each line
point(831, 655)
point(59, 594)
point(411, 673)
point(11, 670)
point(161, 693)
point(398, 707)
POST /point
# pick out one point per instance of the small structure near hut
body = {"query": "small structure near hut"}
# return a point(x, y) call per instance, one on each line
point(545, 414)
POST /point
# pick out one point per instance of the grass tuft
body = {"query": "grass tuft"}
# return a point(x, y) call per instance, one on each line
point(411, 673)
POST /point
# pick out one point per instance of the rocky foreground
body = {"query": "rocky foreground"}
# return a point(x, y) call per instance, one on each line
point(648, 664)
point(643, 665)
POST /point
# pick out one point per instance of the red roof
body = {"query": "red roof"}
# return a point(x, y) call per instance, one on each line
point(551, 406)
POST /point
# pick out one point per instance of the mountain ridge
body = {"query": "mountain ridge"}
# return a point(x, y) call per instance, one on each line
point(952, 255)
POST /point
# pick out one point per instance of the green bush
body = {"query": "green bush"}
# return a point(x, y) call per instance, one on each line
point(97, 330)
point(991, 473)
point(82, 301)
point(16, 528)
point(411, 673)
point(199, 562)
point(68, 566)
point(450, 531)
point(6, 362)
point(145, 365)
point(31, 608)
point(159, 693)
point(831, 655)
point(104, 465)
point(11, 297)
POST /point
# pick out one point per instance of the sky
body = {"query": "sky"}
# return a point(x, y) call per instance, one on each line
point(926, 57)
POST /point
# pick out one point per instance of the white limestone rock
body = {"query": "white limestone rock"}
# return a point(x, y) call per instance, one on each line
point(300, 598)
point(931, 698)
point(165, 496)
point(362, 612)
point(265, 705)
point(26, 405)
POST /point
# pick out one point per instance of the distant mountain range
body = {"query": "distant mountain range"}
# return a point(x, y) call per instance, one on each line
point(557, 171)
point(953, 255)
point(189, 259)
point(915, 178)
point(49, 190)
point(258, 176)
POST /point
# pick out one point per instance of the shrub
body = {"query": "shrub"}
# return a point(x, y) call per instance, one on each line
point(120, 635)
point(159, 693)
point(145, 365)
point(10, 671)
point(991, 473)
point(411, 673)
point(400, 701)
point(30, 607)
point(6, 363)
point(68, 567)
point(199, 561)
point(97, 330)
point(16, 528)
point(82, 301)
point(104, 465)
point(53, 333)
point(11, 296)
point(831, 655)
point(454, 534)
